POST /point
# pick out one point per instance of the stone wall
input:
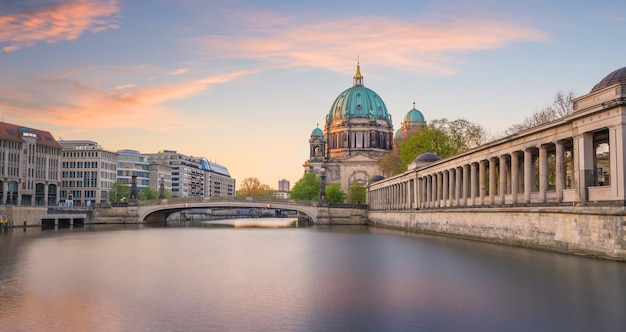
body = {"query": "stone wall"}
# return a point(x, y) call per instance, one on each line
point(116, 215)
point(341, 216)
point(570, 230)
point(16, 214)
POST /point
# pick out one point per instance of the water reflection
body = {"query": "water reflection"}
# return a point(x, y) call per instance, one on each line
point(308, 279)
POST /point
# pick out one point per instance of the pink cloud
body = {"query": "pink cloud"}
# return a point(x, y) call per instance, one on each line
point(179, 71)
point(62, 20)
point(67, 102)
point(422, 47)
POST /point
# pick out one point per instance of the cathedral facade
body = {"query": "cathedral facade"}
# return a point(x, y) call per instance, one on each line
point(358, 131)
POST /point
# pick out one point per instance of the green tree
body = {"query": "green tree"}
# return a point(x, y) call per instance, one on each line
point(334, 194)
point(307, 188)
point(148, 194)
point(119, 192)
point(357, 193)
point(443, 138)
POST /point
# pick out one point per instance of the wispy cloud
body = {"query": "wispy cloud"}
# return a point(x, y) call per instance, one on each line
point(418, 47)
point(67, 102)
point(179, 71)
point(53, 22)
point(123, 87)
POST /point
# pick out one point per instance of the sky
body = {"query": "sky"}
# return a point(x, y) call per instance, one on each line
point(244, 83)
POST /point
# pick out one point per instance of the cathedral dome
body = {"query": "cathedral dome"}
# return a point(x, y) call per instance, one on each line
point(414, 115)
point(616, 77)
point(317, 132)
point(359, 102)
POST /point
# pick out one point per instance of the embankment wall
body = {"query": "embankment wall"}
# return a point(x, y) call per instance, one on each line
point(593, 232)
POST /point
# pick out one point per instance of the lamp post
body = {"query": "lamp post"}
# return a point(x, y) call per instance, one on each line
point(323, 187)
point(162, 188)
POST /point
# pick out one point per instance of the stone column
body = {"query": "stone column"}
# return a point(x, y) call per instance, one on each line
point(514, 176)
point(503, 176)
point(451, 186)
point(583, 165)
point(560, 170)
point(439, 189)
point(474, 183)
point(457, 183)
point(482, 180)
point(617, 155)
point(543, 172)
point(529, 175)
point(492, 180)
point(429, 190)
point(444, 188)
point(467, 189)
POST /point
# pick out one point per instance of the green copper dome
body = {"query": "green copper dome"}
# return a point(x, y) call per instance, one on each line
point(317, 132)
point(414, 115)
point(359, 102)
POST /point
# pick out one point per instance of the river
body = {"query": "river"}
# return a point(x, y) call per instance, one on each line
point(333, 278)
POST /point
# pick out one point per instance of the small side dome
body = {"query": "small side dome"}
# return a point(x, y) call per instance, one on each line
point(376, 178)
point(427, 157)
point(414, 115)
point(423, 160)
point(398, 133)
point(616, 77)
point(317, 132)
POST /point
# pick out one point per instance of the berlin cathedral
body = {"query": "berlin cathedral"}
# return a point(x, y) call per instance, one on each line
point(357, 133)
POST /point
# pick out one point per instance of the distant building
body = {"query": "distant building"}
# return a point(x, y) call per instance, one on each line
point(283, 189)
point(87, 172)
point(217, 180)
point(160, 172)
point(131, 162)
point(193, 176)
point(29, 166)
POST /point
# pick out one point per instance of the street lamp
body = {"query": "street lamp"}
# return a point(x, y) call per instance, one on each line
point(323, 186)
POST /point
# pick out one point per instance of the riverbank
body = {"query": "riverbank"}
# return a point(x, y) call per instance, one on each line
point(580, 231)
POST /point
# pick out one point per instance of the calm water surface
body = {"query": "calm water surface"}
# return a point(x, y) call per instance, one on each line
point(336, 278)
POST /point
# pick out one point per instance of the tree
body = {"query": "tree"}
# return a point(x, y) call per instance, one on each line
point(119, 192)
point(252, 187)
point(307, 188)
point(443, 138)
point(391, 164)
point(148, 194)
point(334, 194)
point(357, 193)
point(561, 106)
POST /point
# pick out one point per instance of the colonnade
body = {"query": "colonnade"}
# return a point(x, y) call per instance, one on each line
point(555, 164)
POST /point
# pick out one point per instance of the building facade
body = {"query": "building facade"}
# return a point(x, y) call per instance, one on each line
point(193, 176)
point(87, 173)
point(29, 166)
point(132, 163)
point(358, 131)
point(217, 180)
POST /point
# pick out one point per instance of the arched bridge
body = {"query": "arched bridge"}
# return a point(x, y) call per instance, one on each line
point(159, 210)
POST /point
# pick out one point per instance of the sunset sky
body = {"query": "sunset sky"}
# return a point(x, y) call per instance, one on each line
point(243, 83)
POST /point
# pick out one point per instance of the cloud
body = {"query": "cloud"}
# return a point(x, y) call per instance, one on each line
point(123, 87)
point(179, 71)
point(407, 45)
point(68, 102)
point(53, 22)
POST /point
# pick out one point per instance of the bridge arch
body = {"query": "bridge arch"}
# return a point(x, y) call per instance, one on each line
point(160, 211)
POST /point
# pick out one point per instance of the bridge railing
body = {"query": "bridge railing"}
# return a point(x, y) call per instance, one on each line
point(265, 200)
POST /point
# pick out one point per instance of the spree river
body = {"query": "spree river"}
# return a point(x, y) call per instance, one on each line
point(334, 278)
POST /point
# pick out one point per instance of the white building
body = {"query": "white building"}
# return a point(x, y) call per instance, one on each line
point(87, 172)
